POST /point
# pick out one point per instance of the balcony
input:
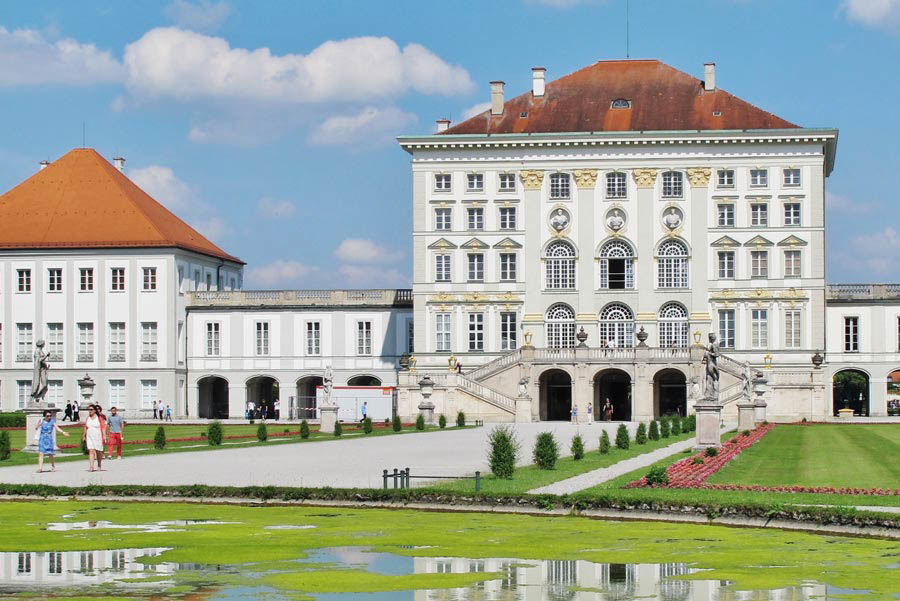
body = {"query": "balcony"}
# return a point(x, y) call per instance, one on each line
point(844, 293)
point(301, 298)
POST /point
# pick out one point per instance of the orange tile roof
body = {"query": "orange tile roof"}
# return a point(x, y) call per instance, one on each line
point(662, 99)
point(82, 201)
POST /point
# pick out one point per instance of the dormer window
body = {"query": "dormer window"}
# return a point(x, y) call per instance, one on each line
point(620, 103)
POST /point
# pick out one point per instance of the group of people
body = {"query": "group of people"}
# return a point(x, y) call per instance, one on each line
point(162, 412)
point(98, 431)
point(606, 412)
point(72, 412)
point(263, 410)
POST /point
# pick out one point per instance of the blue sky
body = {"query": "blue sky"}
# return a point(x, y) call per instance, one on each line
point(297, 173)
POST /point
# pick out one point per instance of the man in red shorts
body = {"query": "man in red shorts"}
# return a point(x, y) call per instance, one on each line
point(115, 425)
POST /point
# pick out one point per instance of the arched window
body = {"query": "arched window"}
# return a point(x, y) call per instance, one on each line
point(560, 264)
point(616, 326)
point(616, 266)
point(673, 264)
point(560, 326)
point(673, 326)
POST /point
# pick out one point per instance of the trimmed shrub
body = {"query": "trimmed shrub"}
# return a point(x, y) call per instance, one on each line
point(604, 443)
point(653, 434)
point(665, 429)
point(287, 430)
point(12, 420)
point(746, 432)
point(697, 460)
point(657, 476)
point(397, 425)
point(577, 448)
point(338, 429)
point(504, 451)
point(214, 433)
point(5, 447)
point(159, 439)
point(676, 425)
point(420, 422)
point(622, 440)
point(442, 421)
point(460, 419)
point(304, 429)
point(262, 433)
point(640, 437)
point(546, 451)
point(252, 421)
point(711, 451)
point(692, 423)
point(367, 425)
point(387, 421)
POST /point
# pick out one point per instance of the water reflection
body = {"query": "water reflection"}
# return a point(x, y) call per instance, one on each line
point(22, 571)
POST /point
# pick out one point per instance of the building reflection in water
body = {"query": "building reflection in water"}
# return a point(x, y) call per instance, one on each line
point(22, 571)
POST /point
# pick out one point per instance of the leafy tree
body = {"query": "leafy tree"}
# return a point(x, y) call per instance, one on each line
point(622, 440)
point(304, 429)
point(546, 451)
point(664, 428)
point(442, 421)
point(262, 433)
point(653, 434)
point(214, 433)
point(577, 448)
point(367, 425)
point(159, 439)
point(397, 425)
point(420, 422)
point(640, 437)
point(504, 451)
point(604, 443)
point(460, 419)
point(676, 425)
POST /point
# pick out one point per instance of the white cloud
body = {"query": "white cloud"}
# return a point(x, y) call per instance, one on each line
point(357, 276)
point(371, 126)
point(360, 250)
point(874, 254)
point(279, 274)
point(475, 110)
point(271, 208)
point(185, 65)
point(28, 58)
point(882, 14)
point(839, 202)
point(203, 15)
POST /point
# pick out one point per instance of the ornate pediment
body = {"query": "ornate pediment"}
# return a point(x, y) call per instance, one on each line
point(442, 244)
point(726, 241)
point(508, 243)
point(758, 241)
point(792, 241)
point(475, 244)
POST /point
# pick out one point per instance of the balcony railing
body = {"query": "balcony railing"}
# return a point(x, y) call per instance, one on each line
point(288, 298)
point(850, 292)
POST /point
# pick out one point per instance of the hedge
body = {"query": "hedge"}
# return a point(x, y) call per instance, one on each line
point(12, 420)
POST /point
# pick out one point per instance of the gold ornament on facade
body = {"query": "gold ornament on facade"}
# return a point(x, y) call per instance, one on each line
point(644, 178)
point(585, 178)
point(532, 179)
point(698, 176)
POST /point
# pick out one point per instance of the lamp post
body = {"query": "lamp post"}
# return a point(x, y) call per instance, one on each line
point(767, 361)
point(697, 336)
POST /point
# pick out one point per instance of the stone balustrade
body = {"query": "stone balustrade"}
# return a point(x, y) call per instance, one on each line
point(301, 298)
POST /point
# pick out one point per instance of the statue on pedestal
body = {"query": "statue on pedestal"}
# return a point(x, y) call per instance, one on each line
point(328, 384)
point(711, 358)
point(39, 376)
point(523, 387)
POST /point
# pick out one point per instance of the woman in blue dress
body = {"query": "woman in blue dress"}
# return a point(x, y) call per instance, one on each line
point(44, 432)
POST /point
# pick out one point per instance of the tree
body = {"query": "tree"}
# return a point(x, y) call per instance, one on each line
point(640, 437)
point(460, 419)
point(338, 429)
point(214, 434)
point(420, 422)
point(664, 428)
point(546, 451)
point(577, 448)
point(653, 434)
point(367, 425)
point(504, 451)
point(604, 443)
point(622, 440)
point(304, 429)
point(397, 425)
point(262, 433)
point(159, 439)
point(442, 421)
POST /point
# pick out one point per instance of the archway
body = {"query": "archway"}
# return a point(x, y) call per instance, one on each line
point(305, 401)
point(213, 398)
point(850, 388)
point(670, 393)
point(364, 381)
point(556, 395)
point(893, 392)
point(615, 385)
point(262, 391)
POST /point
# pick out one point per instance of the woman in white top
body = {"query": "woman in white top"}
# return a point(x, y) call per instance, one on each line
point(93, 437)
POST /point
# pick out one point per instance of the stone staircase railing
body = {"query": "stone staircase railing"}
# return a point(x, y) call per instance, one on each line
point(498, 399)
point(497, 365)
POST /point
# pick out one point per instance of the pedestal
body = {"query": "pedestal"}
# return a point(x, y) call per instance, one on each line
point(759, 411)
point(846, 413)
point(708, 423)
point(33, 416)
point(523, 409)
point(327, 418)
point(426, 408)
point(746, 416)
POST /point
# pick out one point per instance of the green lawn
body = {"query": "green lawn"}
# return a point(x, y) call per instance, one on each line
point(863, 456)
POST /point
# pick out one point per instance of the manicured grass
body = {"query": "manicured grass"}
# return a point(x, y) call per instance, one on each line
point(528, 477)
point(862, 456)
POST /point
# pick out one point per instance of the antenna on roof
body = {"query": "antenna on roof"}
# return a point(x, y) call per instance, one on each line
point(627, 29)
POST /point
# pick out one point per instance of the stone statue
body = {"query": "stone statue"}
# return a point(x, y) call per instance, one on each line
point(747, 384)
point(39, 377)
point(523, 387)
point(614, 221)
point(328, 384)
point(711, 388)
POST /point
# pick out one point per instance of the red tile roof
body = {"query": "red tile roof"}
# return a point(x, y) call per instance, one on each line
point(82, 201)
point(662, 99)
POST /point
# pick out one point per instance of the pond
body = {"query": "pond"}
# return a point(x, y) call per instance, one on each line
point(58, 550)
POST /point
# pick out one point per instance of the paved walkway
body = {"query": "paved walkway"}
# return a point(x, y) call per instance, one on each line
point(350, 462)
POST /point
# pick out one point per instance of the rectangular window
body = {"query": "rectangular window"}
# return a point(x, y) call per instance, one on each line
point(507, 218)
point(475, 218)
point(851, 334)
point(791, 213)
point(363, 337)
point(55, 341)
point(24, 565)
point(759, 263)
point(673, 184)
point(442, 332)
point(85, 341)
point(726, 265)
point(24, 341)
point(148, 340)
point(476, 331)
point(476, 267)
point(616, 185)
point(792, 177)
point(442, 219)
point(410, 336)
point(55, 566)
point(116, 341)
point(23, 277)
point(508, 332)
point(759, 328)
point(792, 263)
point(23, 393)
point(474, 182)
point(181, 280)
point(759, 214)
point(149, 278)
point(54, 279)
point(149, 394)
point(507, 267)
point(726, 215)
point(792, 329)
point(54, 396)
point(726, 328)
point(759, 178)
point(725, 178)
point(442, 182)
point(507, 182)
point(213, 348)
point(262, 338)
point(86, 278)
point(559, 185)
point(118, 279)
point(117, 394)
point(209, 281)
point(442, 268)
point(196, 281)
point(313, 338)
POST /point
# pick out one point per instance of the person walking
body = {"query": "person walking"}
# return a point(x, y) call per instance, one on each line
point(168, 413)
point(92, 436)
point(277, 407)
point(364, 409)
point(591, 412)
point(99, 409)
point(263, 410)
point(46, 447)
point(251, 407)
point(574, 413)
point(76, 409)
point(160, 408)
point(607, 410)
point(68, 413)
point(115, 431)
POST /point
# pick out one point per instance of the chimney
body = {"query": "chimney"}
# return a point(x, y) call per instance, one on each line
point(119, 162)
point(497, 97)
point(443, 125)
point(537, 81)
point(44, 165)
point(709, 76)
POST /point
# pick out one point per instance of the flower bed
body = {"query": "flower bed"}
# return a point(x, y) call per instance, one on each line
point(887, 492)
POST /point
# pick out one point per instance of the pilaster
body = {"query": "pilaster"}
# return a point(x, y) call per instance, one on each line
point(699, 266)
point(586, 180)
point(532, 183)
point(644, 268)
